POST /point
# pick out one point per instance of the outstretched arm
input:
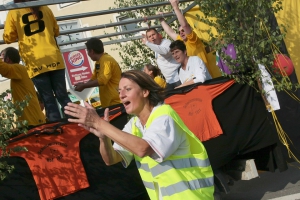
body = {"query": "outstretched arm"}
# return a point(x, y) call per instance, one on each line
point(167, 28)
point(182, 21)
point(81, 86)
point(88, 117)
point(109, 155)
point(162, 49)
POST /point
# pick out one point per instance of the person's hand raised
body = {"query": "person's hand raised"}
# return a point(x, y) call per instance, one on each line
point(174, 3)
point(144, 39)
point(82, 115)
point(86, 117)
point(162, 16)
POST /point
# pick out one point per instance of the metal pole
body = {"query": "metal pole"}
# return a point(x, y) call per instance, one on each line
point(34, 3)
point(115, 10)
point(105, 12)
point(158, 27)
point(119, 33)
point(114, 24)
point(108, 26)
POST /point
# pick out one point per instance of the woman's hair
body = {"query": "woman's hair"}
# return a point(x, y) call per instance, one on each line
point(35, 9)
point(155, 70)
point(156, 93)
point(177, 44)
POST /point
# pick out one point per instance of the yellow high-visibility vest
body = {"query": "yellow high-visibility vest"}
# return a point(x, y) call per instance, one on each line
point(179, 176)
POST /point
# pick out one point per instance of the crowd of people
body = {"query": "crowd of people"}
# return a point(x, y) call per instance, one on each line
point(156, 138)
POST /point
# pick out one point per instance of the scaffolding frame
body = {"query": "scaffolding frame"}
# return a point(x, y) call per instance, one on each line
point(104, 12)
point(34, 3)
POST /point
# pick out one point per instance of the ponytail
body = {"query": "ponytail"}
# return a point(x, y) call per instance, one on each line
point(34, 10)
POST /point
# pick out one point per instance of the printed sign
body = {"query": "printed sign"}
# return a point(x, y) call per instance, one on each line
point(78, 66)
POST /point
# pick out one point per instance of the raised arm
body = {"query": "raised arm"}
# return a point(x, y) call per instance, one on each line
point(88, 118)
point(109, 155)
point(162, 49)
point(182, 21)
point(167, 28)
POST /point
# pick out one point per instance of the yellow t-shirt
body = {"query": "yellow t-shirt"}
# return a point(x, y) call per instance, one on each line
point(21, 85)
point(108, 75)
point(160, 81)
point(195, 47)
point(37, 43)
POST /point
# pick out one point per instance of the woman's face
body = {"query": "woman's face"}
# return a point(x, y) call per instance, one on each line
point(179, 55)
point(147, 71)
point(132, 96)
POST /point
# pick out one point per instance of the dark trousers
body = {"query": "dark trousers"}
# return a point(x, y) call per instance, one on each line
point(51, 86)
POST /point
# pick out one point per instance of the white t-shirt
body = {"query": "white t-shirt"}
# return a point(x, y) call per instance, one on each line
point(163, 135)
point(165, 61)
point(195, 69)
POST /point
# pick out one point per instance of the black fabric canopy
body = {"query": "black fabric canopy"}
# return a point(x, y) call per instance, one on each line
point(247, 127)
point(248, 133)
point(106, 182)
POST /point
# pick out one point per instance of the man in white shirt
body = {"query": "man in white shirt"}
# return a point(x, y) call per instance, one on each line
point(193, 69)
point(166, 63)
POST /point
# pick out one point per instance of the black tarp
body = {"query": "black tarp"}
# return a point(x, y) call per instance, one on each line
point(248, 133)
point(246, 124)
point(106, 182)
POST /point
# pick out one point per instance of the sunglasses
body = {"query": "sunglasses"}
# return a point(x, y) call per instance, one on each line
point(97, 66)
point(181, 31)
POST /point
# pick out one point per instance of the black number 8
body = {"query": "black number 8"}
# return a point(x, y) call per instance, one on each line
point(27, 29)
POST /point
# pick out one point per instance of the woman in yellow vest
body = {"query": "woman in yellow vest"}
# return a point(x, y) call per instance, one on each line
point(155, 73)
point(172, 162)
point(35, 30)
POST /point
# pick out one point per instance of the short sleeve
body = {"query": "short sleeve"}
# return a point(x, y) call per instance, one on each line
point(164, 137)
point(193, 38)
point(55, 25)
point(178, 37)
point(10, 30)
point(105, 72)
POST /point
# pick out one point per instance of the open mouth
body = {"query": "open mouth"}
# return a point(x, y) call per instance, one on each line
point(126, 103)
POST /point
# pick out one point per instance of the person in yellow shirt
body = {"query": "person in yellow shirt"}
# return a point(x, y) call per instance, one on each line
point(21, 86)
point(155, 73)
point(106, 75)
point(194, 44)
point(35, 30)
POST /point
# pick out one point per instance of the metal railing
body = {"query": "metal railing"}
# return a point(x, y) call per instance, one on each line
point(104, 12)
point(34, 3)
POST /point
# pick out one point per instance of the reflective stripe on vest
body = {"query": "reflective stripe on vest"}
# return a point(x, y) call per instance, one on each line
point(178, 177)
point(187, 185)
point(177, 164)
point(182, 186)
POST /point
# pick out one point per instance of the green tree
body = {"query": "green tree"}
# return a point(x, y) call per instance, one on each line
point(135, 54)
point(9, 126)
point(249, 25)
